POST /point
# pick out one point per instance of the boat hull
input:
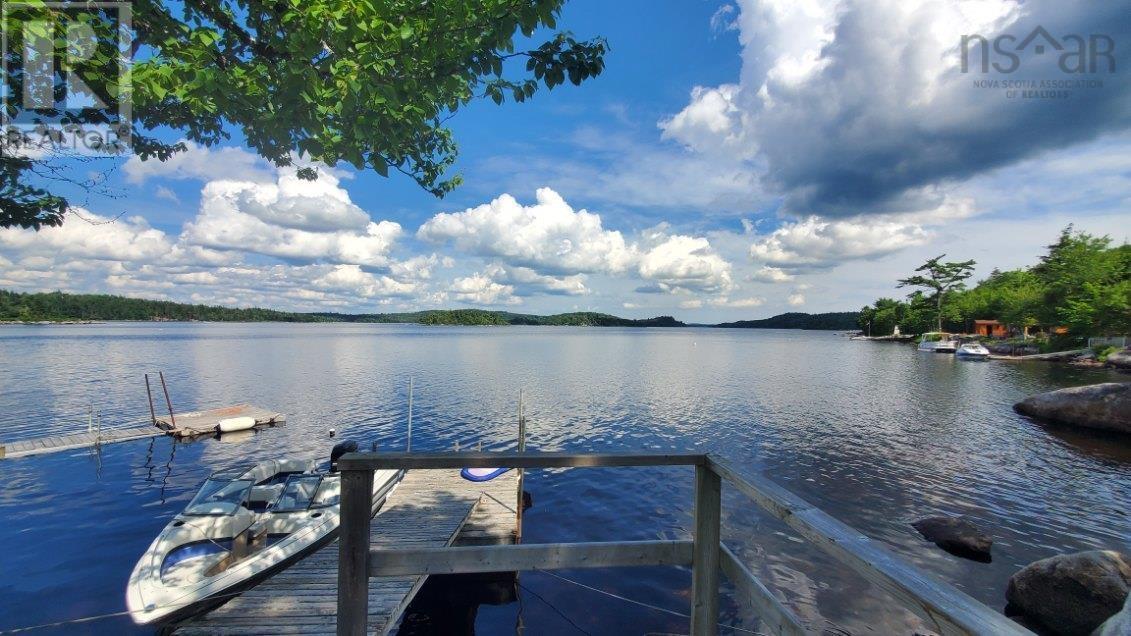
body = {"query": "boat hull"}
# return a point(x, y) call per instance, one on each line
point(179, 604)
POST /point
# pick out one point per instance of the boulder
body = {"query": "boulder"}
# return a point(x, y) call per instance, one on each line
point(1071, 594)
point(1120, 359)
point(957, 535)
point(1104, 406)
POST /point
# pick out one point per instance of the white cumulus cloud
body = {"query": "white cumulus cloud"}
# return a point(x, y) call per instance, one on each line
point(816, 243)
point(242, 216)
point(549, 235)
point(480, 289)
point(550, 238)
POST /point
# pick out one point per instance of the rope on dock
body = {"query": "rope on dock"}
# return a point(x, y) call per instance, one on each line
point(88, 619)
point(640, 603)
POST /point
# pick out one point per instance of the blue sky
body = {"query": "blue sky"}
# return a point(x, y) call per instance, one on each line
point(733, 161)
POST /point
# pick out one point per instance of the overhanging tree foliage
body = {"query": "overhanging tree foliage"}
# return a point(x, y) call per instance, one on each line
point(941, 278)
point(367, 82)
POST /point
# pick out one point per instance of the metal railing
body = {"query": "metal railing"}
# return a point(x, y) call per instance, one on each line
point(1107, 341)
point(942, 607)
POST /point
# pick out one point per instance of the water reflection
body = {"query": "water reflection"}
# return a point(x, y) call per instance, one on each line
point(876, 434)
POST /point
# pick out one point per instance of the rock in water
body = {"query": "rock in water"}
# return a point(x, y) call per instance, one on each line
point(1072, 593)
point(957, 535)
point(1101, 406)
point(1120, 359)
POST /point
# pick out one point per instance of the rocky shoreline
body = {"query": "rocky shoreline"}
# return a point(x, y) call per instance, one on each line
point(1104, 407)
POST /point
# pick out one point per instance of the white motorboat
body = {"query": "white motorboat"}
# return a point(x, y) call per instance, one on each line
point(972, 351)
point(243, 525)
point(938, 342)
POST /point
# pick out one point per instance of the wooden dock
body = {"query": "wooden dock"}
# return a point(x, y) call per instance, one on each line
point(188, 424)
point(429, 509)
point(39, 446)
point(194, 423)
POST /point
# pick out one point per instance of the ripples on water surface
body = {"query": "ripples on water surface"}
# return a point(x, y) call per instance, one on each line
point(874, 433)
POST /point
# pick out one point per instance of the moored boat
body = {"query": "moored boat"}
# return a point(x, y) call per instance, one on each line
point(938, 342)
point(243, 525)
point(972, 351)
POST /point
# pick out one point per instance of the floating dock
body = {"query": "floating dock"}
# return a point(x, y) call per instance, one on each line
point(194, 423)
point(39, 446)
point(429, 509)
point(187, 425)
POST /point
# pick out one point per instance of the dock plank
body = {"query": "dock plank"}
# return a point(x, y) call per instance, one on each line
point(430, 508)
point(56, 443)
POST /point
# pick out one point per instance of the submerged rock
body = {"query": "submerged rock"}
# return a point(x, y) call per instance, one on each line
point(957, 535)
point(1071, 594)
point(1104, 406)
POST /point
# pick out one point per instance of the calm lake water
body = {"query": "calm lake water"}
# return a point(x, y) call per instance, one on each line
point(876, 434)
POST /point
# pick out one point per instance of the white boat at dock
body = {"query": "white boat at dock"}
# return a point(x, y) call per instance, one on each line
point(938, 342)
point(243, 525)
point(972, 351)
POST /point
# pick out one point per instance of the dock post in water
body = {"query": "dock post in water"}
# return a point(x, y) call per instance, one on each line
point(172, 420)
point(521, 449)
point(409, 449)
point(149, 394)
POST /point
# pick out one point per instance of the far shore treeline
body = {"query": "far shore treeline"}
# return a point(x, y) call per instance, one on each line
point(58, 306)
point(1081, 287)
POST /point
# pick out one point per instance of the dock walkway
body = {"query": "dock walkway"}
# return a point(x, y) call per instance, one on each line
point(188, 425)
point(430, 508)
point(24, 448)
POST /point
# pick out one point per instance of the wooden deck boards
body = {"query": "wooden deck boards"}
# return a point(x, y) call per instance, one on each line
point(57, 443)
point(430, 508)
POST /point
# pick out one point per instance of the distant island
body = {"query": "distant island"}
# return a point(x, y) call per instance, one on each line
point(63, 307)
point(832, 321)
point(59, 306)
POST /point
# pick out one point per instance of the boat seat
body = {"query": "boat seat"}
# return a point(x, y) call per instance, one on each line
point(265, 494)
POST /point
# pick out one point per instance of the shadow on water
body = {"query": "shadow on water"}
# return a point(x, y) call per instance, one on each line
point(449, 605)
point(1102, 445)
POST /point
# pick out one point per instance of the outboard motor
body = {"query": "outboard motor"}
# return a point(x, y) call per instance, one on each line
point(341, 448)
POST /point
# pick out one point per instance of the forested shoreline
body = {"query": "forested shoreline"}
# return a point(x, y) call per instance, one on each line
point(60, 306)
point(63, 307)
point(1081, 287)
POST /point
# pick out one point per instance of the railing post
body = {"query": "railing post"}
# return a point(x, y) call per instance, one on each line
point(705, 560)
point(353, 552)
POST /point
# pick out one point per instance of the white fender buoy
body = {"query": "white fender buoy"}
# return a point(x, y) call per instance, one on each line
point(237, 437)
point(236, 424)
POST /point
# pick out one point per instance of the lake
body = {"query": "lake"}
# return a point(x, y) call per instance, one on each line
point(877, 434)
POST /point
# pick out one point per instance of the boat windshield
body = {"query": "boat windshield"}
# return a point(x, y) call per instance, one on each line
point(219, 496)
point(329, 493)
point(297, 493)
